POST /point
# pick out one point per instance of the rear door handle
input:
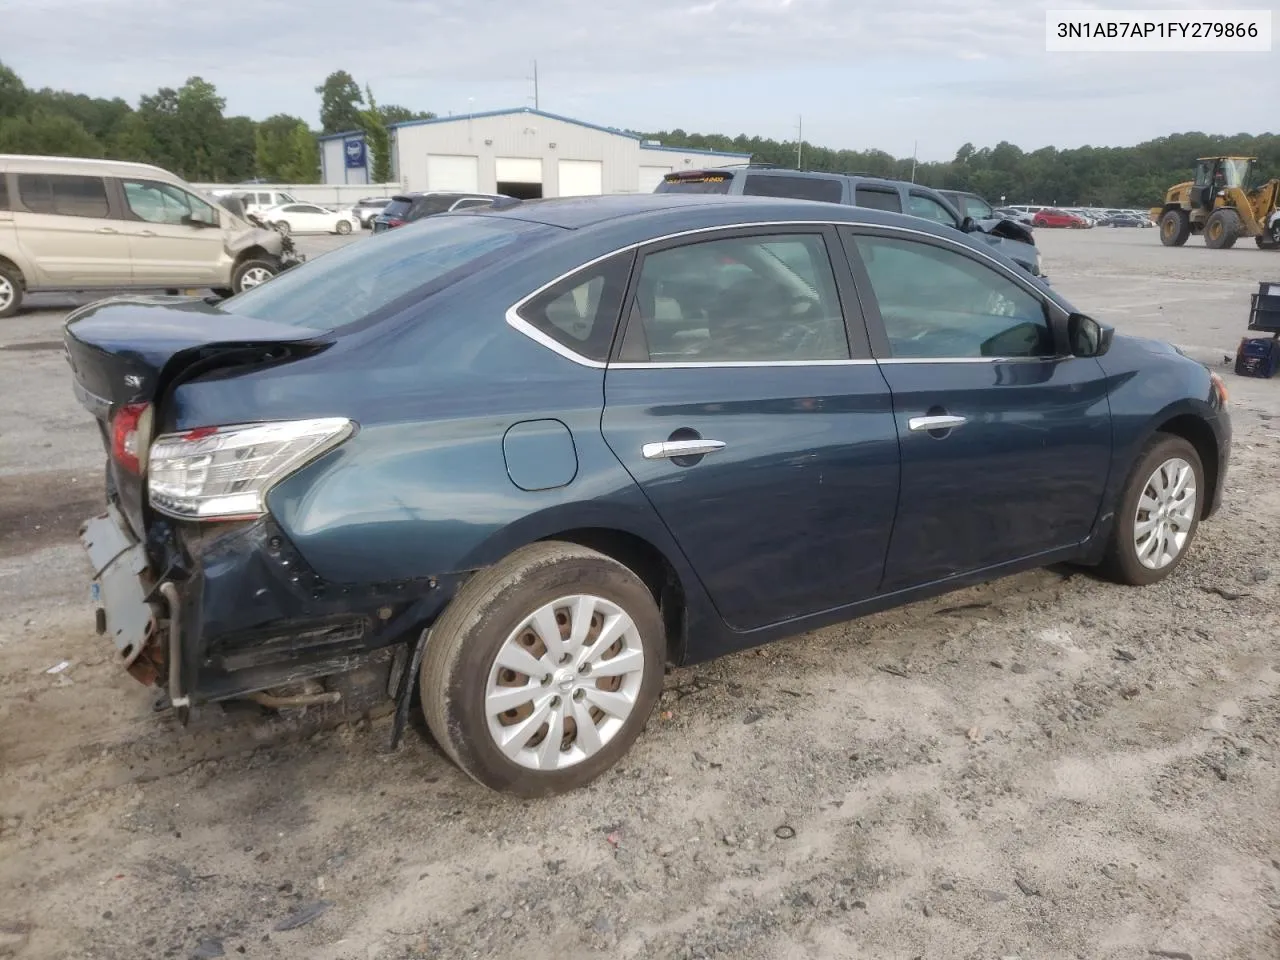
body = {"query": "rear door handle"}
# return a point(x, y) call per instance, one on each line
point(146, 233)
point(667, 449)
point(938, 422)
point(108, 230)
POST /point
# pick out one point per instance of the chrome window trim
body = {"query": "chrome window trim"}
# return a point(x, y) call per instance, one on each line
point(518, 323)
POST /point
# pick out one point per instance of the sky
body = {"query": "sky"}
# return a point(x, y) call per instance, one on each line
point(895, 75)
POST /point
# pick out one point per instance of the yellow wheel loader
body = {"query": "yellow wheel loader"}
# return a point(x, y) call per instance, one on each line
point(1222, 203)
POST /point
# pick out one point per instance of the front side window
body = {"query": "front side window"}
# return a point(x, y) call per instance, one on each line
point(877, 198)
point(4, 191)
point(164, 203)
point(740, 299)
point(63, 195)
point(938, 303)
point(921, 205)
point(581, 312)
point(977, 208)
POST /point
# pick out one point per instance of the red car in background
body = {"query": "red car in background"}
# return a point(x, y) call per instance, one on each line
point(1058, 218)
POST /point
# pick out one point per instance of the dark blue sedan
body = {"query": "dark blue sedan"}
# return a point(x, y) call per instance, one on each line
point(527, 457)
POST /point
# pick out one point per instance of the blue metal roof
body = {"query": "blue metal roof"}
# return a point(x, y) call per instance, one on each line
point(551, 116)
point(340, 136)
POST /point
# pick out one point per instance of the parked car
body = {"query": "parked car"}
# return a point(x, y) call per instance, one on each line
point(551, 448)
point(264, 198)
point(309, 218)
point(1018, 216)
point(898, 196)
point(1051, 217)
point(407, 207)
point(1125, 220)
point(70, 225)
point(368, 208)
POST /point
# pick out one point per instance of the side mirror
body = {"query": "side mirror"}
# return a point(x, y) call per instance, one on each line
point(1086, 337)
point(969, 225)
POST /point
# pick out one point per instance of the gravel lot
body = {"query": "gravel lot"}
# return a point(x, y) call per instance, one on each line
point(1047, 766)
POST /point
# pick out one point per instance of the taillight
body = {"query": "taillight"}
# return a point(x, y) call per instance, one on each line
point(130, 431)
point(395, 223)
point(224, 473)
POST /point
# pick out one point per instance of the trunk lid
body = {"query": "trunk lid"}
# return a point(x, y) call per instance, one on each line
point(126, 353)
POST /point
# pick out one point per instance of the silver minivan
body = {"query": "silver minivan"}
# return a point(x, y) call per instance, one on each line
point(68, 224)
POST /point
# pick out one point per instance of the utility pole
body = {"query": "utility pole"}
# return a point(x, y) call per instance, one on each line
point(534, 78)
point(800, 142)
point(915, 151)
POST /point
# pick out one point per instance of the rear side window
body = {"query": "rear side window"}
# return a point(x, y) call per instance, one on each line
point(354, 282)
point(63, 195)
point(581, 311)
point(708, 182)
point(427, 206)
point(4, 191)
point(797, 188)
point(877, 198)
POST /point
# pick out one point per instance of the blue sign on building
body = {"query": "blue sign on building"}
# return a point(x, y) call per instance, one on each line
point(354, 151)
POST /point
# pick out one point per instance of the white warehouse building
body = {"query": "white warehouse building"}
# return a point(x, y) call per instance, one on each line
point(523, 153)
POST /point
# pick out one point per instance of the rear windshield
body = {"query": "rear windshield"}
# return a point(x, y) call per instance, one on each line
point(398, 208)
point(354, 282)
point(709, 182)
point(826, 189)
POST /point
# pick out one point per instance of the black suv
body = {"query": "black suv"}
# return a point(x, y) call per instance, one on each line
point(1012, 239)
point(407, 207)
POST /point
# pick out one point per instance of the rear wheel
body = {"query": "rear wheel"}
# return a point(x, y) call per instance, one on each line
point(344, 227)
point(1159, 513)
point(251, 273)
point(283, 226)
point(1175, 228)
point(1222, 229)
point(544, 669)
point(10, 290)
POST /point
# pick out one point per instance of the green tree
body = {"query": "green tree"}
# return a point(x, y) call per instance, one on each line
point(287, 150)
point(13, 93)
point(394, 113)
point(47, 134)
point(339, 103)
point(377, 139)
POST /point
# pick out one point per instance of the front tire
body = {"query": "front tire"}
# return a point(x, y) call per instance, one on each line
point(251, 273)
point(1175, 228)
point(10, 291)
point(1159, 513)
point(284, 227)
point(1222, 229)
point(544, 669)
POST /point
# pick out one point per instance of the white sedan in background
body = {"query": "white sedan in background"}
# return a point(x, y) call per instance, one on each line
point(308, 218)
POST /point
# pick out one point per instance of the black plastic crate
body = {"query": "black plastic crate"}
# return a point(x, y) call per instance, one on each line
point(1264, 309)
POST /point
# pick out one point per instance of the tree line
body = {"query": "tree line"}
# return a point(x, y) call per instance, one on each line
point(1136, 176)
point(187, 131)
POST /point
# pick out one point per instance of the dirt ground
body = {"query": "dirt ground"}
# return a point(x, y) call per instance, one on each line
point(1044, 767)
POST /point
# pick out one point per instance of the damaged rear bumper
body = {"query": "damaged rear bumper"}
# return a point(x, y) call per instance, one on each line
point(214, 612)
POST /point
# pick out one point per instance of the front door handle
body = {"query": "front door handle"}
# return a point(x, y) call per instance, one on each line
point(937, 422)
point(146, 233)
point(669, 449)
point(108, 230)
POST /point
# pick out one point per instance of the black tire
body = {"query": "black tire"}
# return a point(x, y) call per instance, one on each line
point(465, 642)
point(343, 227)
point(11, 290)
point(1222, 229)
point(283, 227)
point(250, 269)
point(1175, 228)
point(1121, 562)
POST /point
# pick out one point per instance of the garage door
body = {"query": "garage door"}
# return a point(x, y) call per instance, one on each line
point(518, 170)
point(450, 172)
point(581, 178)
point(650, 177)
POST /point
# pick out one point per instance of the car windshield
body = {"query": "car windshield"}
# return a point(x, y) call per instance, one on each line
point(353, 282)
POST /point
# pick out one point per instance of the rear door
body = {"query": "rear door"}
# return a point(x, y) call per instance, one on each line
point(763, 439)
point(1006, 440)
point(173, 235)
point(68, 233)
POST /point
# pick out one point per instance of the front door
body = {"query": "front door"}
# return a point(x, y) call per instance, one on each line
point(766, 447)
point(173, 235)
point(1006, 441)
point(65, 227)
